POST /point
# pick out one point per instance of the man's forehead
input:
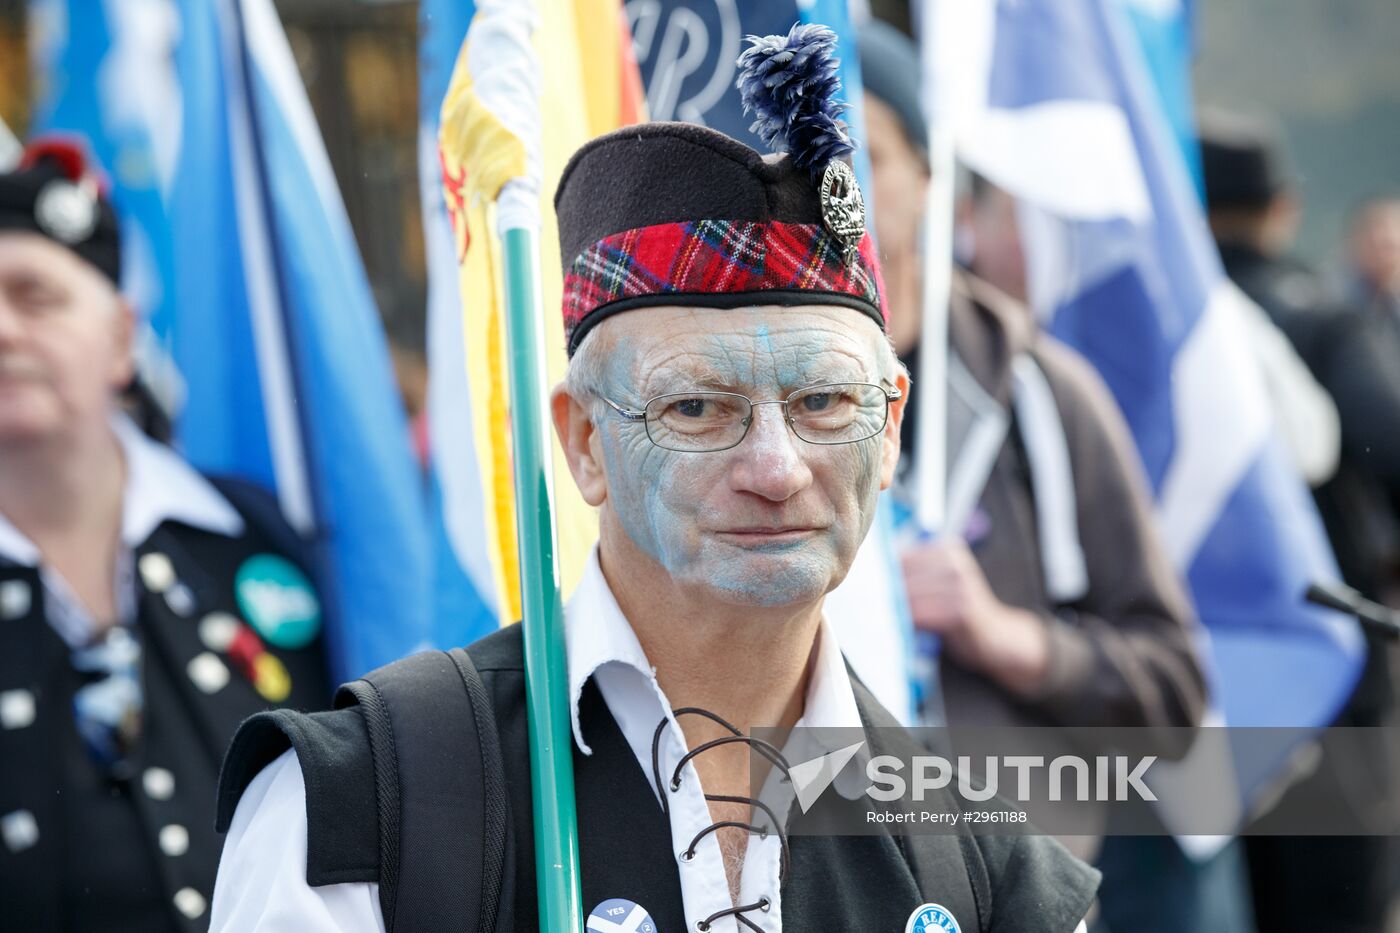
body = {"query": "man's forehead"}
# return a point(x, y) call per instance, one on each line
point(754, 343)
point(24, 252)
point(760, 328)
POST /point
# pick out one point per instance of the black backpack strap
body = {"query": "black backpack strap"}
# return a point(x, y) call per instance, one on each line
point(440, 784)
point(333, 750)
point(411, 753)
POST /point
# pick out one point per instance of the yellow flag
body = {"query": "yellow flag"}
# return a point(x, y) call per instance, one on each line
point(588, 86)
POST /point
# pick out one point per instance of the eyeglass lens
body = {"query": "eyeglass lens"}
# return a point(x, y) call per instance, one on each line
point(839, 413)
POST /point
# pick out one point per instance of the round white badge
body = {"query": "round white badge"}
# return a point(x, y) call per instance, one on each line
point(932, 918)
point(66, 212)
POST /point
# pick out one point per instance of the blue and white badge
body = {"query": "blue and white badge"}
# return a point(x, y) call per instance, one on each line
point(932, 918)
point(278, 600)
point(619, 915)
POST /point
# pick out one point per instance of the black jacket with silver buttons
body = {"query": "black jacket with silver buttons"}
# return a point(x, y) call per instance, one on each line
point(133, 849)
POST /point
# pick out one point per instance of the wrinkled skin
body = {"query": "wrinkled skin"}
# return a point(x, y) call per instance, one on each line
point(772, 522)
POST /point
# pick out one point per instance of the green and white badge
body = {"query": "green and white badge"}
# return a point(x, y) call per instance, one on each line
point(278, 601)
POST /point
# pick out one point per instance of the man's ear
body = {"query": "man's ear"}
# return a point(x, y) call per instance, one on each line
point(889, 455)
point(577, 435)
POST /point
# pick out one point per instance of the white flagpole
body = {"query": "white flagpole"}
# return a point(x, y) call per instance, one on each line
point(930, 468)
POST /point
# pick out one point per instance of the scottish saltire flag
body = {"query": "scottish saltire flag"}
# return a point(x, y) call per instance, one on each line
point(1056, 107)
point(265, 302)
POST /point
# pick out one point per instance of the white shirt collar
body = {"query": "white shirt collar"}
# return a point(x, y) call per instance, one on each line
point(160, 486)
point(597, 634)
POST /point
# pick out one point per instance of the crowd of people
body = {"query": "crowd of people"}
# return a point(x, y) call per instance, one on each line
point(137, 630)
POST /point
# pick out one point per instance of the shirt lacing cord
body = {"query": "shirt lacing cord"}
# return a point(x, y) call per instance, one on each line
point(767, 750)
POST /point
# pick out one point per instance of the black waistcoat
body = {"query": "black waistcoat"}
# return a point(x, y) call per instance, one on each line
point(97, 862)
point(865, 883)
point(1006, 884)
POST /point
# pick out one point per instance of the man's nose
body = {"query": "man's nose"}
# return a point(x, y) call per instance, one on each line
point(769, 462)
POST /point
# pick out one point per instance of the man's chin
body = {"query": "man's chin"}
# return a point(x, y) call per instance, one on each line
point(764, 578)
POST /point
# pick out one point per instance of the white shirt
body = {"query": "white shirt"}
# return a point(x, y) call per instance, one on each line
point(262, 876)
point(160, 486)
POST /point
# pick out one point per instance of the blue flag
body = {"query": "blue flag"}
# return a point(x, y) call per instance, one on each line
point(1121, 262)
point(266, 306)
point(687, 53)
point(1165, 32)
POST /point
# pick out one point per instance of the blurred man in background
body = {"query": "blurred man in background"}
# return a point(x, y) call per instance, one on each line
point(1254, 212)
point(144, 610)
point(1053, 599)
point(1373, 257)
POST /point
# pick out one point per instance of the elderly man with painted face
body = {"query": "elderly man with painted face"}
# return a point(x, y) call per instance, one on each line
point(135, 627)
point(732, 408)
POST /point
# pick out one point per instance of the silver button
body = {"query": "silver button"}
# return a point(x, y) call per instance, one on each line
point(16, 709)
point(158, 783)
point(180, 599)
point(190, 902)
point(19, 829)
point(156, 571)
point(174, 840)
point(208, 672)
point(217, 630)
point(15, 599)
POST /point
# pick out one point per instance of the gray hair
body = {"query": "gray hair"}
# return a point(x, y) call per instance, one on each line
point(583, 379)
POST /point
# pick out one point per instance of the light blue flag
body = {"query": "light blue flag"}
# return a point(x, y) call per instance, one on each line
point(1121, 262)
point(464, 596)
point(1165, 31)
point(84, 59)
point(266, 304)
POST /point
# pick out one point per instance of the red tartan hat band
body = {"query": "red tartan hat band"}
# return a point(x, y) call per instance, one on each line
point(719, 264)
point(678, 214)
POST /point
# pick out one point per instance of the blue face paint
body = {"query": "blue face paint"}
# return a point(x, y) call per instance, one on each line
point(682, 509)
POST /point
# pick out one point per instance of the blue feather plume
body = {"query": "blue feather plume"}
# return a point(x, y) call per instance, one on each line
point(791, 84)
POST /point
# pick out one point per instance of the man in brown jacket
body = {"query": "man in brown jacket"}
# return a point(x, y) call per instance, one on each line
point(1051, 595)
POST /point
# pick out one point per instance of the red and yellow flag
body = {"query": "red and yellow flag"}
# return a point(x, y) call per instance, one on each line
point(589, 85)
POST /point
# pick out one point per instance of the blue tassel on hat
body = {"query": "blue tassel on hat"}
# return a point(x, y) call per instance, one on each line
point(791, 84)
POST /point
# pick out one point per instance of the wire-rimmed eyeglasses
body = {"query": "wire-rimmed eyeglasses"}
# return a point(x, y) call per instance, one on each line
point(705, 422)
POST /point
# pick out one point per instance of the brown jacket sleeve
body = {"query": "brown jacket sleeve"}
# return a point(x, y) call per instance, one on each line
point(1123, 655)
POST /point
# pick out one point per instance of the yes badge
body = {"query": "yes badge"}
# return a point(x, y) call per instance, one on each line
point(619, 915)
point(932, 918)
point(278, 601)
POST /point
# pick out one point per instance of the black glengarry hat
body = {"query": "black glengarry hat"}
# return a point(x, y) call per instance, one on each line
point(58, 192)
point(679, 214)
point(1242, 160)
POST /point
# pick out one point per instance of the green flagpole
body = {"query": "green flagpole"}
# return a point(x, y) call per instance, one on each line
point(546, 670)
